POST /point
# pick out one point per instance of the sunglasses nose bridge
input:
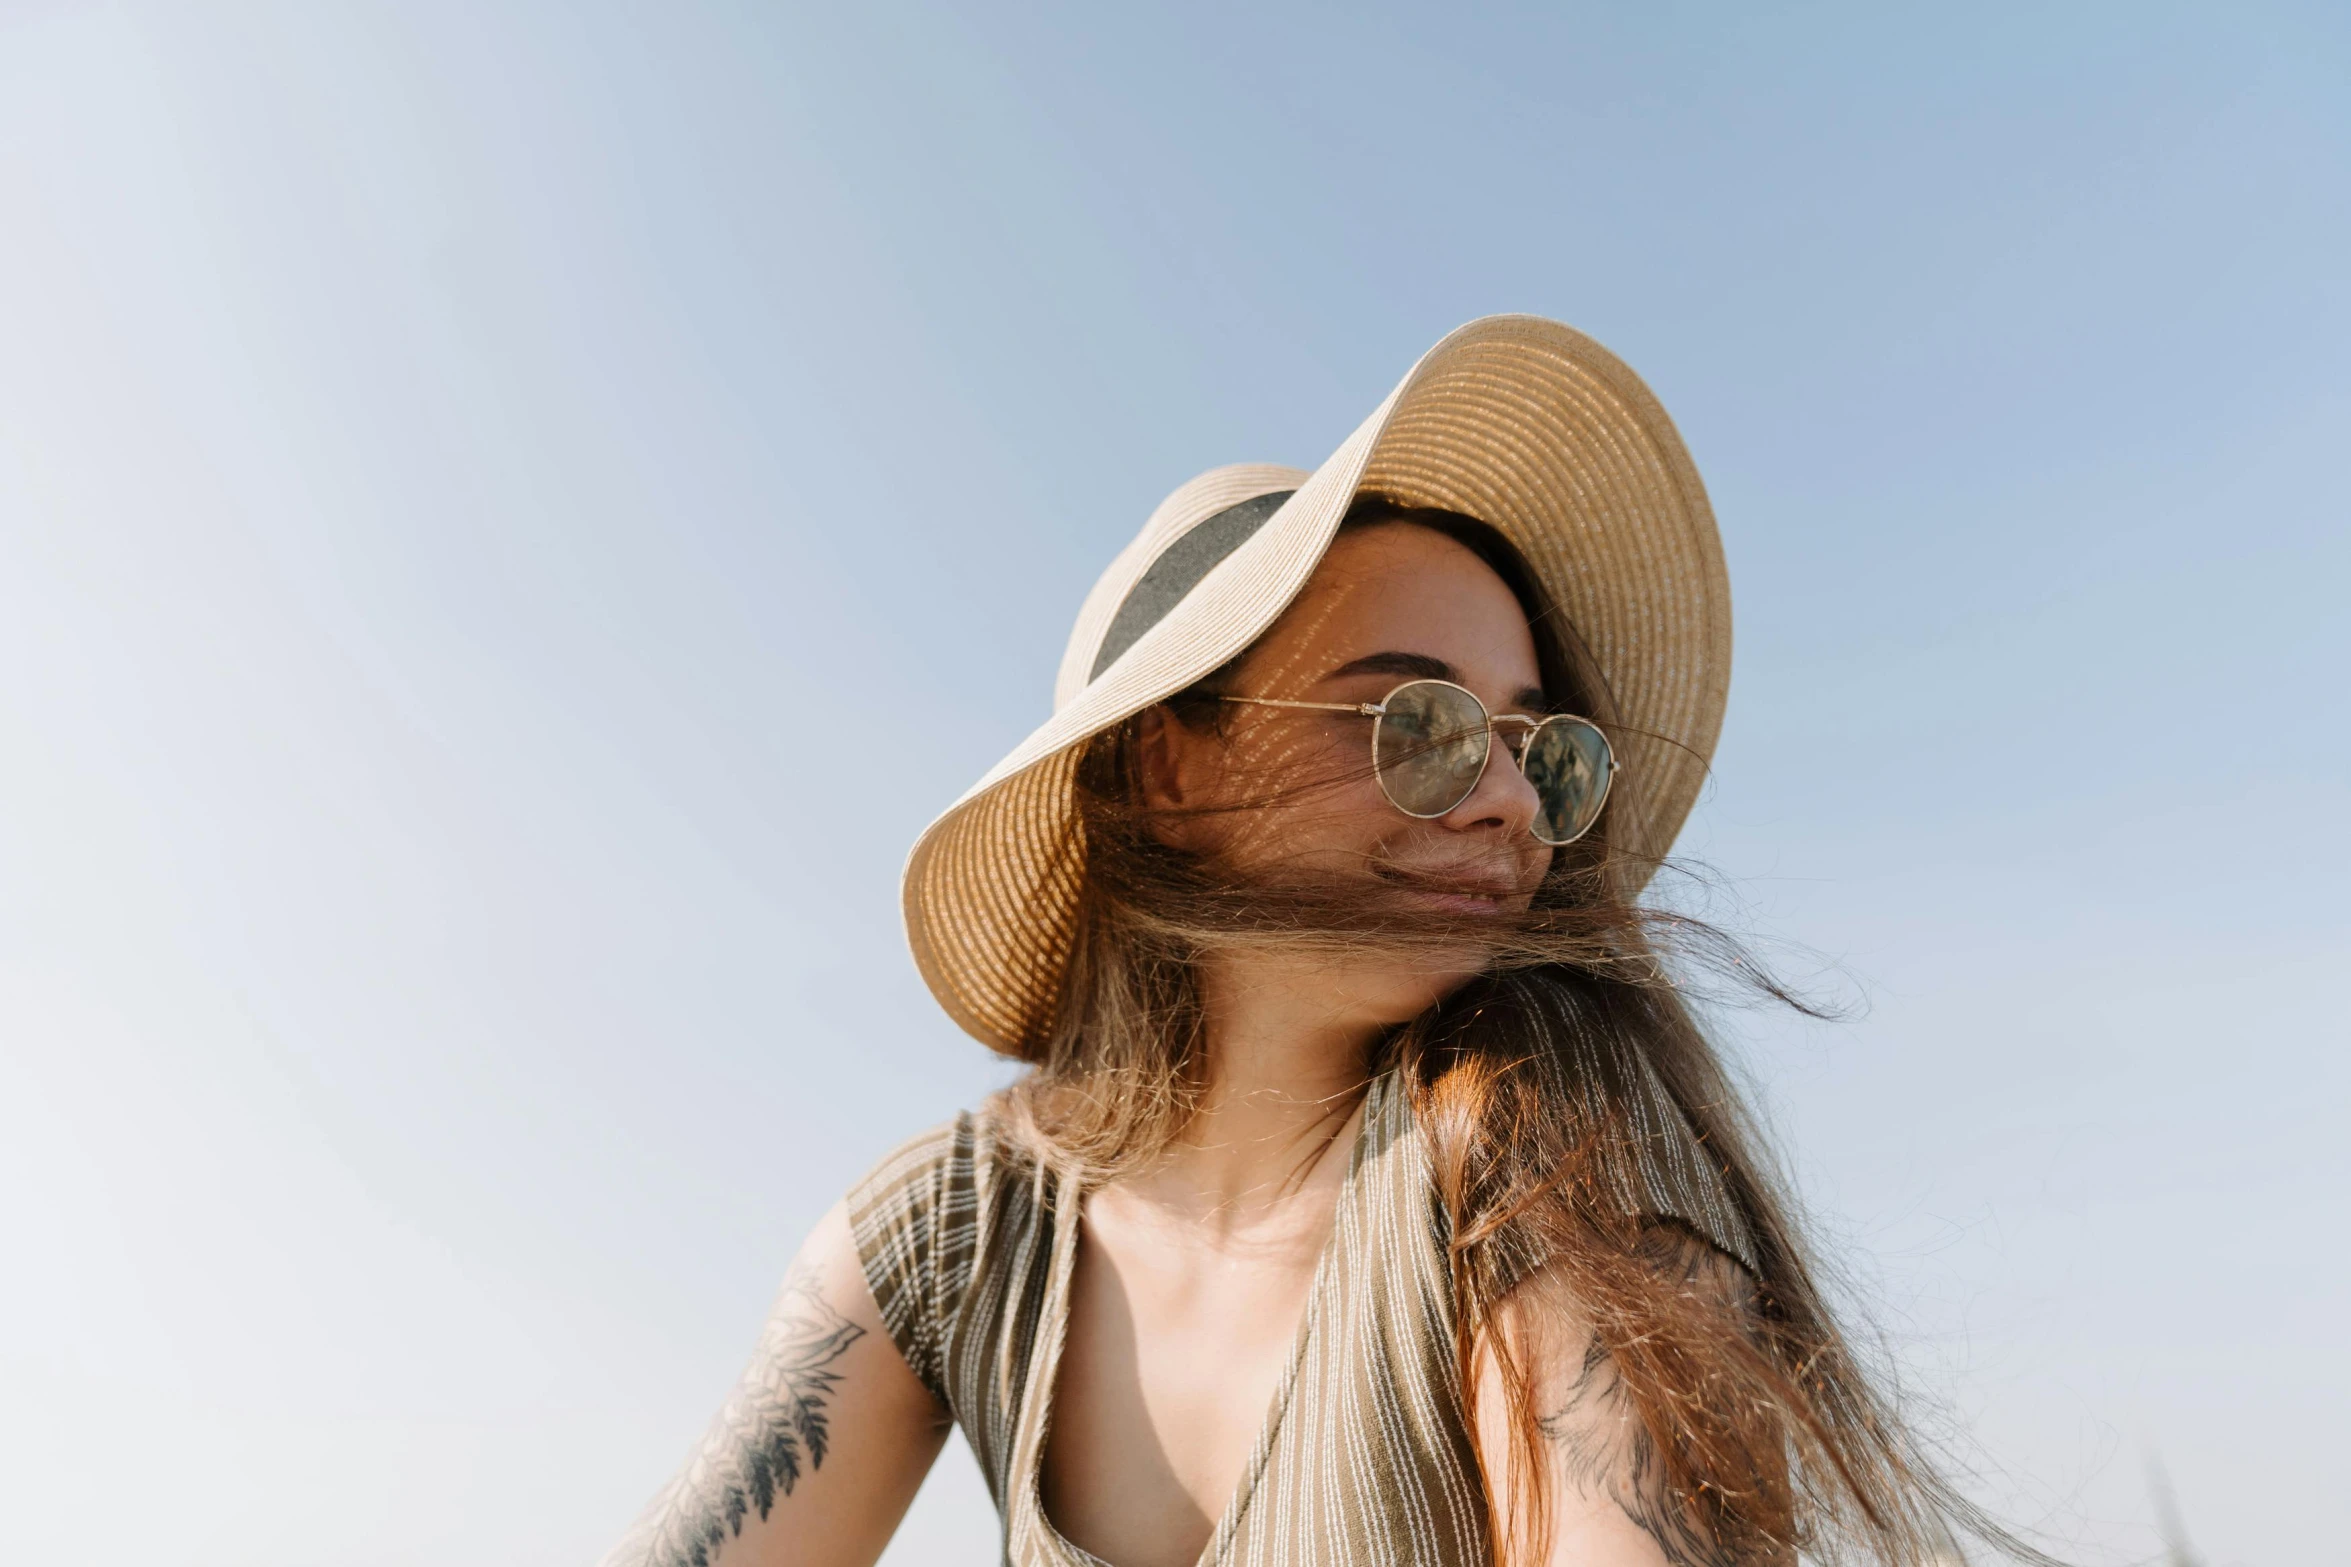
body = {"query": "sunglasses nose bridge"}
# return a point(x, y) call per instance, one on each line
point(1526, 731)
point(1507, 794)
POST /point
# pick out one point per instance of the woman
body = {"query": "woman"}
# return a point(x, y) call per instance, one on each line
point(1372, 1197)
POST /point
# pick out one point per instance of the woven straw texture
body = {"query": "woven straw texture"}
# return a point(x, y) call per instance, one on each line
point(1520, 421)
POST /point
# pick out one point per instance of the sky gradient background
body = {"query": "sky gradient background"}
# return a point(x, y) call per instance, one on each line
point(513, 516)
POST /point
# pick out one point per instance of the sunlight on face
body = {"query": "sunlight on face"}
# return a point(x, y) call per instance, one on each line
point(1388, 603)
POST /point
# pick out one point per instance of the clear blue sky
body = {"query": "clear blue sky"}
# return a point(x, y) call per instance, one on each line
point(512, 517)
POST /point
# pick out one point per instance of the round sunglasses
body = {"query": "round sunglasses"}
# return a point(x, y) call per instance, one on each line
point(1431, 740)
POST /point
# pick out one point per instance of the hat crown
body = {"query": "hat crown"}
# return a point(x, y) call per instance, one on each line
point(1178, 569)
point(1127, 600)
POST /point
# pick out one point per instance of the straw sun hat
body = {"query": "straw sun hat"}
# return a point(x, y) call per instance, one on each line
point(1521, 422)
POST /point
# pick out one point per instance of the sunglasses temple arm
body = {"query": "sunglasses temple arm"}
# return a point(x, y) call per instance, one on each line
point(1367, 709)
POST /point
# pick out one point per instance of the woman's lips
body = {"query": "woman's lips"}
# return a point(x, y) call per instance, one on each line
point(1455, 893)
point(1471, 903)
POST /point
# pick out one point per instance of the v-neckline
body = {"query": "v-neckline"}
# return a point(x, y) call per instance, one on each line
point(1045, 1390)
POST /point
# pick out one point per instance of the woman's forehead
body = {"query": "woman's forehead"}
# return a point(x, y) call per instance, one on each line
point(1405, 589)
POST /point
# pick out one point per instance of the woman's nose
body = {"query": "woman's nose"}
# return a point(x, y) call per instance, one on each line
point(1502, 801)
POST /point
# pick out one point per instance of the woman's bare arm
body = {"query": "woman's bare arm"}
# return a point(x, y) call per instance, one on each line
point(820, 1448)
point(1608, 1503)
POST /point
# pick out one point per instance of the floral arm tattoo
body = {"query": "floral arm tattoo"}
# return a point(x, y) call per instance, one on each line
point(774, 1423)
point(1605, 1450)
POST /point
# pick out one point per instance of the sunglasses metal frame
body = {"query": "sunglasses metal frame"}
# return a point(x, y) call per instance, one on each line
point(1379, 710)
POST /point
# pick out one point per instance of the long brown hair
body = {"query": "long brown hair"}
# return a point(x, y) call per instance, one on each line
point(1759, 1432)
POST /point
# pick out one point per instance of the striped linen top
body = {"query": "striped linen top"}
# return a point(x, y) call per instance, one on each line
point(1364, 1458)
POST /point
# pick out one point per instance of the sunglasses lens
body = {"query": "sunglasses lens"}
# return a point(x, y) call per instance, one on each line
point(1430, 747)
point(1568, 762)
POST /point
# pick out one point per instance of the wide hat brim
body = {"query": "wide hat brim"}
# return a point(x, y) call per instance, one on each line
point(1520, 421)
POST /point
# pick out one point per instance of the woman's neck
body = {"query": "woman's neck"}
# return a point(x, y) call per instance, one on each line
point(1287, 1065)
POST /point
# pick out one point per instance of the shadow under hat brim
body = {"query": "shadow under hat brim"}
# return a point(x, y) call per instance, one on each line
point(1520, 421)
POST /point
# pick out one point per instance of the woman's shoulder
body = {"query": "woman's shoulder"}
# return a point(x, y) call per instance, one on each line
point(921, 1219)
point(1639, 1156)
point(923, 1203)
point(918, 1165)
point(970, 1149)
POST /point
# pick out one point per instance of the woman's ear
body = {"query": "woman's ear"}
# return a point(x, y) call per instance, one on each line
point(1178, 767)
point(1159, 742)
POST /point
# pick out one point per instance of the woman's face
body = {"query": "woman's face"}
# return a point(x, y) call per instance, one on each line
point(1389, 603)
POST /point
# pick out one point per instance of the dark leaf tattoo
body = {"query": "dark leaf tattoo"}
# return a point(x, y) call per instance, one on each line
point(772, 1425)
point(1605, 1450)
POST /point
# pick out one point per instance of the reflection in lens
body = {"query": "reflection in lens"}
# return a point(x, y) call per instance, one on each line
point(1567, 761)
point(1430, 747)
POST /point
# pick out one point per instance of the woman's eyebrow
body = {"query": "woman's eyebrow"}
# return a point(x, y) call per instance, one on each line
point(1413, 666)
point(1420, 666)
